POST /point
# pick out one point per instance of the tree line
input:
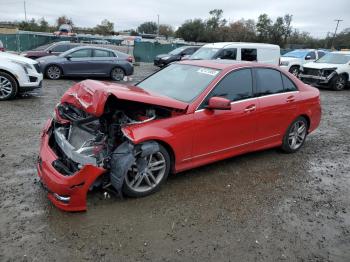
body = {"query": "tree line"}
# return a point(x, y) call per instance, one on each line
point(214, 29)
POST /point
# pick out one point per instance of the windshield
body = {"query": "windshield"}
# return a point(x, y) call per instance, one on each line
point(296, 54)
point(204, 53)
point(181, 82)
point(177, 51)
point(334, 58)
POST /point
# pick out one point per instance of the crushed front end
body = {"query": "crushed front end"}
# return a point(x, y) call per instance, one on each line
point(314, 76)
point(80, 151)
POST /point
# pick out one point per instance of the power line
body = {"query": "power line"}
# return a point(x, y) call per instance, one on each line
point(335, 32)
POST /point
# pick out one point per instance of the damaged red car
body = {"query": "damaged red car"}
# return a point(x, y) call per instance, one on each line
point(127, 139)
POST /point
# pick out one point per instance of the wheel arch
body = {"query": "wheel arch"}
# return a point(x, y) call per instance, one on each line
point(307, 118)
point(171, 152)
point(14, 77)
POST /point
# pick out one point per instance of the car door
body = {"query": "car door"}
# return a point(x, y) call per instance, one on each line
point(78, 62)
point(221, 132)
point(277, 98)
point(102, 61)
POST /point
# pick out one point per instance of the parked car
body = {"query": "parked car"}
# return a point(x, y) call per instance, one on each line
point(175, 55)
point(54, 49)
point(239, 51)
point(332, 70)
point(2, 48)
point(129, 138)
point(17, 75)
point(101, 42)
point(294, 60)
point(87, 61)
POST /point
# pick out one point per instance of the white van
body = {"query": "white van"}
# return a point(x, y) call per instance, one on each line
point(239, 51)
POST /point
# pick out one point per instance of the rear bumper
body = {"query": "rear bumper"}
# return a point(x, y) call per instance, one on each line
point(65, 192)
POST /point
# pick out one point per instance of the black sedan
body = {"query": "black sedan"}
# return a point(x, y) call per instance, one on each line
point(175, 55)
point(87, 61)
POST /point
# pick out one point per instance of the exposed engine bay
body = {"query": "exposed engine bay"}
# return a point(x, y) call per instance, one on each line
point(80, 139)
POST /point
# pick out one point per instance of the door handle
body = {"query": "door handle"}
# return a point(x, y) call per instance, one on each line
point(290, 99)
point(250, 108)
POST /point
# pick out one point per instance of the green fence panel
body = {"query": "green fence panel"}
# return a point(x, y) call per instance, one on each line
point(147, 51)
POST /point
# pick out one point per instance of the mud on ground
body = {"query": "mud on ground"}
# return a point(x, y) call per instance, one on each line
point(264, 206)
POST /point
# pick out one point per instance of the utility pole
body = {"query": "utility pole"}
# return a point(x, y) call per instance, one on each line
point(25, 11)
point(335, 32)
point(158, 27)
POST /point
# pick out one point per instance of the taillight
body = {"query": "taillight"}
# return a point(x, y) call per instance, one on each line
point(129, 59)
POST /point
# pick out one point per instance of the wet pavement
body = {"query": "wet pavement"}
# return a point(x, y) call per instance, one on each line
point(264, 206)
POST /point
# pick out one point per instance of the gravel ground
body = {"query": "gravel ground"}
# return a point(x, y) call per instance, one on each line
point(264, 206)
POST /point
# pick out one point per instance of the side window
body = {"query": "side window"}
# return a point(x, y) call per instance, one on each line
point(235, 86)
point(249, 54)
point(102, 53)
point(82, 53)
point(312, 56)
point(320, 54)
point(288, 84)
point(268, 81)
point(59, 48)
point(229, 53)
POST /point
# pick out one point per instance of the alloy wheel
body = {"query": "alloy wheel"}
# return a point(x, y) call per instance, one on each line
point(340, 83)
point(150, 177)
point(297, 135)
point(6, 88)
point(53, 72)
point(118, 74)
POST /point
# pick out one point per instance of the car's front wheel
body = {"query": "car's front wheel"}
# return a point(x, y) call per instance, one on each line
point(53, 72)
point(139, 184)
point(338, 82)
point(294, 70)
point(8, 86)
point(117, 74)
point(295, 136)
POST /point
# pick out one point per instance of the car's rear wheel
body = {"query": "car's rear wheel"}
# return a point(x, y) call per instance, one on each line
point(53, 72)
point(294, 70)
point(295, 135)
point(117, 74)
point(138, 184)
point(338, 82)
point(8, 86)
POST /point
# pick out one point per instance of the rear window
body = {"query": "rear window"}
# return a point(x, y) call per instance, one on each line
point(288, 84)
point(268, 81)
point(60, 48)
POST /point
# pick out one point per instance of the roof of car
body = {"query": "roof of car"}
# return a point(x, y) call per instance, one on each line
point(342, 52)
point(226, 44)
point(223, 64)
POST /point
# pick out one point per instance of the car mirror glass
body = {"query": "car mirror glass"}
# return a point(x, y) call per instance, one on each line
point(68, 57)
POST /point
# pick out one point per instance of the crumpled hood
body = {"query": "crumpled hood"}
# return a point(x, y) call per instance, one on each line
point(91, 96)
point(320, 65)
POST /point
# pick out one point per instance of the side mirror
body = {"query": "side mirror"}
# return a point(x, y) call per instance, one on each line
point(50, 51)
point(308, 57)
point(219, 103)
point(68, 57)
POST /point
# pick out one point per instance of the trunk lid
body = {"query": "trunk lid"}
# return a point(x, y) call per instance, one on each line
point(91, 96)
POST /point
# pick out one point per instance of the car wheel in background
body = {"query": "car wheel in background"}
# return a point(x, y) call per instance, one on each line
point(295, 135)
point(294, 70)
point(338, 83)
point(117, 74)
point(53, 72)
point(8, 86)
point(142, 184)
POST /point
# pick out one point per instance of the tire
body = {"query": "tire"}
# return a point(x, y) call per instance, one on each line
point(295, 136)
point(8, 86)
point(117, 74)
point(338, 82)
point(294, 70)
point(160, 175)
point(53, 72)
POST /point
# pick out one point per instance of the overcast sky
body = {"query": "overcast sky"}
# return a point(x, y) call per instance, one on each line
point(314, 16)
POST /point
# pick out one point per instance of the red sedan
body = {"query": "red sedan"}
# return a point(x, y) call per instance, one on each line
point(127, 139)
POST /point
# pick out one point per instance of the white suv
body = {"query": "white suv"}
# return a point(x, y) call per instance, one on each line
point(18, 74)
point(294, 60)
point(333, 70)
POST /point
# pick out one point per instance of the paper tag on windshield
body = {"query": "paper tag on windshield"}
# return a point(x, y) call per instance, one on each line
point(208, 71)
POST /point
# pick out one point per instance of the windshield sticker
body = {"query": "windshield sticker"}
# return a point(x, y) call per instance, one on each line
point(208, 71)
